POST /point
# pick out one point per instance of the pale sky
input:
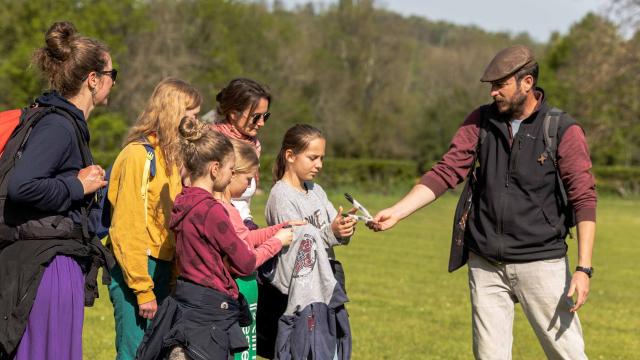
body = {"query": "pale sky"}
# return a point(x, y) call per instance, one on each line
point(539, 18)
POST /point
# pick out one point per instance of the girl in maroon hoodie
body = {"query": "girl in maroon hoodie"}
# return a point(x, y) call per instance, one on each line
point(203, 317)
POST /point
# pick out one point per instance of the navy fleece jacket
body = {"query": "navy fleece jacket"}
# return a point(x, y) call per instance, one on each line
point(45, 178)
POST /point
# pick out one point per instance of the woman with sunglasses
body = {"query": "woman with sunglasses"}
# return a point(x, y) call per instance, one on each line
point(49, 273)
point(242, 110)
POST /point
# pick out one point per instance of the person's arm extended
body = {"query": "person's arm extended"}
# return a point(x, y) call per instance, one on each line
point(262, 242)
point(450, 171)
point(259, 236)
point(417, 198)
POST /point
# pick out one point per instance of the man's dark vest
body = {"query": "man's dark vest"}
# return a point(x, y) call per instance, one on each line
point(517, 214)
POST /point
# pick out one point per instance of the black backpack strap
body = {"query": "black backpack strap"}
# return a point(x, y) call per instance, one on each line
point(553, 121)
point(34, 114)
point(550, 127)
point(550, 124)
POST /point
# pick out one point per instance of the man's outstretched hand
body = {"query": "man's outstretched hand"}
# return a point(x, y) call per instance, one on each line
point(383, 220)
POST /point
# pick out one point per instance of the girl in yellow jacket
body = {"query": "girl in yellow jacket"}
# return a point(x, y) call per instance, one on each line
point(139, 235)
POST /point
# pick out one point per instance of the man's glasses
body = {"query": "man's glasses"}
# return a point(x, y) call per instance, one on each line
point(256, 117)
point(113, 73)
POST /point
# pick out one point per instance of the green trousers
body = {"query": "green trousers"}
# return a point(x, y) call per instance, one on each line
point(249, 288)
point(130, 327)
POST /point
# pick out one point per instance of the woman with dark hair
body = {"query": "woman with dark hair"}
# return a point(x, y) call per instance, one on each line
point(243, 109)
point(50, 198)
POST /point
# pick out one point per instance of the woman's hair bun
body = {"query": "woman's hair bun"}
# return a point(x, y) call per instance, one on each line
point(191, 129)
point(59, 38)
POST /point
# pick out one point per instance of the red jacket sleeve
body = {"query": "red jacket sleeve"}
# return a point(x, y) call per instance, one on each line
point(454, 166)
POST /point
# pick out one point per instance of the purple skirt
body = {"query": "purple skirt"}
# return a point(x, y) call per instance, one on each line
point(54, 329)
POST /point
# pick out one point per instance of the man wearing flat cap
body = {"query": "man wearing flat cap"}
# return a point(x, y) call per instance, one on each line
point(529, 181)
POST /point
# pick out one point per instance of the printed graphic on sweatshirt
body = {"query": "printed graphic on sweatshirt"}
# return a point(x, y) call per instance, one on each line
point(305, 257)
point(315, 219)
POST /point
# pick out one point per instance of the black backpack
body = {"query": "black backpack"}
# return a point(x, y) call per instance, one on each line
point(459, 252)
point(12, 228)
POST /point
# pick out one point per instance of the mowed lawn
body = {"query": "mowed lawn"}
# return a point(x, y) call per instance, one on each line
point(405, 305)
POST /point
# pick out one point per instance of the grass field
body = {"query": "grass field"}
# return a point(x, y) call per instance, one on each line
point(405, 305)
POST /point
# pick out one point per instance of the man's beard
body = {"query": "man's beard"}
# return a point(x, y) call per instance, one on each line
point(514, 107)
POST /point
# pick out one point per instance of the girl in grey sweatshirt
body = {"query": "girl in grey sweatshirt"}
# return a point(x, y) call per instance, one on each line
point(315, 323)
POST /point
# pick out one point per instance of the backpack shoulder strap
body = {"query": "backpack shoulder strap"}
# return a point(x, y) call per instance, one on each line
point(152, 155)
point(550, 127)
point(148, 172)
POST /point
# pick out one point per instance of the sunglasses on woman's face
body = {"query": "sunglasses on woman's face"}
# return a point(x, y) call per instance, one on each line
point(256, 117)
point(113, 73)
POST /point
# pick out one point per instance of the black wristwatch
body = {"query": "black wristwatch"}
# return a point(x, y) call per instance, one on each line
point(586, 270)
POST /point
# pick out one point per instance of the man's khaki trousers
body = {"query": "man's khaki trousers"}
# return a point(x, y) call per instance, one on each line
point(541, 288)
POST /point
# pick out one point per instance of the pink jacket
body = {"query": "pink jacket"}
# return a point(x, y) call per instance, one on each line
point(261, 241)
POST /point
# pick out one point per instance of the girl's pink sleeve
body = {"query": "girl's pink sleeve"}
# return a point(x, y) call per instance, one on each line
point(259, 236)
point(267, 250)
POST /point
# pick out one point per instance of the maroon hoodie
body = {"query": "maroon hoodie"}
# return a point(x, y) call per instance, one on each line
point(204, 236)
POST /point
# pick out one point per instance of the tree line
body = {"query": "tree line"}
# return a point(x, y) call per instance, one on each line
point(381, 85)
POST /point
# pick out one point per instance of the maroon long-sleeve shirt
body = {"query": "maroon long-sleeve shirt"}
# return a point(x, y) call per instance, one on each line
point(574, 163)
point(204, 235)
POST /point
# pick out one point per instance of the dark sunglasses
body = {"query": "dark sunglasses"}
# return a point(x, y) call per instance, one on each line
point(113, 73)
point(256, 117)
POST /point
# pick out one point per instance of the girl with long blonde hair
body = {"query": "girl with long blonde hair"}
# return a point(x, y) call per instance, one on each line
point(143, 185)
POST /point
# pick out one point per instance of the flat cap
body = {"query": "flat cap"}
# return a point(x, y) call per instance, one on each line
point(507, 62)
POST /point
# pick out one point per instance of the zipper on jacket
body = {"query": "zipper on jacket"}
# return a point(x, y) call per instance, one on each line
point(502, 202)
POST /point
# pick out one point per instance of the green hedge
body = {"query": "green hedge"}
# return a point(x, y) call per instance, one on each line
point(387, 176)
point(368, 175)
point(621, 180)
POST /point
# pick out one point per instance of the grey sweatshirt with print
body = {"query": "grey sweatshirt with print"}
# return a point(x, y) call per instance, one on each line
point(303, 270)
